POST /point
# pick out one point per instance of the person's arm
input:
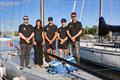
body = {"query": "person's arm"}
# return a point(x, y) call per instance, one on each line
point(72, 38)
point(65, 39)
point(54, 36)
point(34, 42)
point(80, 30)
point(43, 37)
point(46, 37)
point(22, 36)
point(31, 36)
point(78, 34)
point(28, 39)
point(20, 33)
point(68, 33)
point(58, 35)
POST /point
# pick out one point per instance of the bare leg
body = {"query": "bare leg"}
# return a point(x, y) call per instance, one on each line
point(48, 52)
point(65, 52)
point(60, 53)
point(54, 53)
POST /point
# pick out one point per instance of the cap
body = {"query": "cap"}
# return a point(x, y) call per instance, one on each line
point(63, 20)
point(50, 19)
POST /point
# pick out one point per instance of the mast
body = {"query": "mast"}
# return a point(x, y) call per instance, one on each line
point(2, 33)
point(110, 11)
point(100, 15)
point(101, 1)
point(42, 11)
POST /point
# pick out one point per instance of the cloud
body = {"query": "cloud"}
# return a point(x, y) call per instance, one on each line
point(5, 4)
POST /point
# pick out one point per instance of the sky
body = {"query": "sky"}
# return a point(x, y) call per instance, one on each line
point(12, 12)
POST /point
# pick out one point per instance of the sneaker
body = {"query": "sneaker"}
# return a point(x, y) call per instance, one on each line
point(48, 60)
point(28, 66)
point(21, 67)
point(46, 64)
point(36, 66)
point(41, 66)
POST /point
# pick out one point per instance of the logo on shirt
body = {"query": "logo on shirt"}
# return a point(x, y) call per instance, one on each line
point(47, 29)
point(24, 28)
point(60, 30)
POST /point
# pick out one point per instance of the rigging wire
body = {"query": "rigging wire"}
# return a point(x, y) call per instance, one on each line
point(12, 16)
point(110, 11)
point(74, 6)
point(20, 11)
point(82, 9)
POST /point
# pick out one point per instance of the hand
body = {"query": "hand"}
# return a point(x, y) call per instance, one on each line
point(73, 39)
point(34, 43)
point(50, 42)
point(43, 43)
point(62, 41)
point(27, 40)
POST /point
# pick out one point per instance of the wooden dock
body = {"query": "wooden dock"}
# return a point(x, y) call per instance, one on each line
point(36, 73)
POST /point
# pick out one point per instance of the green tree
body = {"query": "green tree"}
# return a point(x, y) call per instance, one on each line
point(95, 29)
point(83, 32)
point(87, 30)
point(0, 33)
point(15, 33)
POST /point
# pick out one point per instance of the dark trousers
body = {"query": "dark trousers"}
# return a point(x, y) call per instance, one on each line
point(25, 54)
point(38, 54)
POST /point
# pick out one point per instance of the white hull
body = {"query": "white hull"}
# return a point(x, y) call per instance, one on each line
point(101, 55)
point(5, 39)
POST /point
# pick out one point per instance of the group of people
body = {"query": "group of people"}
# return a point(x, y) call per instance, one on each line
point(39, 37)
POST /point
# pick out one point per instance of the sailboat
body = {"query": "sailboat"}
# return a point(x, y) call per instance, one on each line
point(10, 60)
point(2, 38)
point(104, 53)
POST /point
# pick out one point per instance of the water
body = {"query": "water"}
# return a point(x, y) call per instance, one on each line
point(115, 75)
point(5, 45)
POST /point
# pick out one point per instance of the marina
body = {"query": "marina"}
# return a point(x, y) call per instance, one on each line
point(99, 46)
point(87, 70)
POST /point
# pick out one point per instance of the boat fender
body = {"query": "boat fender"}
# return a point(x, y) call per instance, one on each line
point(2, 71)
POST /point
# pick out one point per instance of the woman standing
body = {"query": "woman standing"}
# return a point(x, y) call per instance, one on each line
point(38, 41)
point(62, 38)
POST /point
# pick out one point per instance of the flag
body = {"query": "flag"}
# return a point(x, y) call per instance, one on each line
point(10, 44)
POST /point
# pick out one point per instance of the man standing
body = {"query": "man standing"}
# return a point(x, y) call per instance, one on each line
point(26, 33)
point(50, 33)
point(74, 31)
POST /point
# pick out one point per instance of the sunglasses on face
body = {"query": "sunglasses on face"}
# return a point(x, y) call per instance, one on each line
point(25, 19)
point(63, 22)
point(73, 16)
point(50, 20)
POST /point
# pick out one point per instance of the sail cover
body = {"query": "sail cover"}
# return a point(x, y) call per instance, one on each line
point(105, 28)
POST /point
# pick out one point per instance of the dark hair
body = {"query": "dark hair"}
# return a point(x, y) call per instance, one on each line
point(38, 20)
point(50, 18)
point(73, 13)
point(63, 20)
point(25, 16)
